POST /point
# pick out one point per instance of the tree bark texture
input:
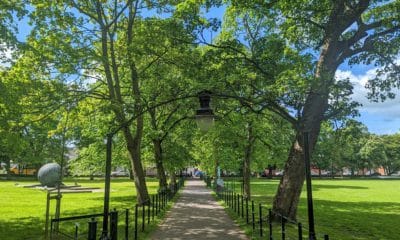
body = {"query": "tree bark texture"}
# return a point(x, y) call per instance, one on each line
point(289, 189)
point(334, 50)
point(117, 103)
point(247, 161)
point(133, 147)
point(162, 178)
point(134, 144)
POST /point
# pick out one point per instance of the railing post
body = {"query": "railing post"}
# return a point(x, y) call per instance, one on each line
point(232, 197)
point(114, 225)
point(247, 210)
point(326, 237)
point(270, 223)
point(92, 229)
point(148, 212)
point(283, 227)
point(253, 215)
point(143, 216)
point(126, 224)
point(228, 197)
point(46, 228)
point(76, 231)
point(234, 202)
point(242, 207)
point(260, 218)
point(157, 204)
point(165, 199)
point(152, 209)
point(300, 229)
point(162, 199)
point(238, 204)
point(51, 229)
point(136, 221)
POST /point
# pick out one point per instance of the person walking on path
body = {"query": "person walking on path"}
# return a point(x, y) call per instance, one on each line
point(197, 215)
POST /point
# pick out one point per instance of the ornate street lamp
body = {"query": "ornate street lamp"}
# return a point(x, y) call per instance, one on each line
point(204, 115)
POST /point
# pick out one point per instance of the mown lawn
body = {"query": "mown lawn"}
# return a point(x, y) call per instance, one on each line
point(22, 210)
point(344, 208)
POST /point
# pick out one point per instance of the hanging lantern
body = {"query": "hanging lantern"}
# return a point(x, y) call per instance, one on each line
point(204, 115)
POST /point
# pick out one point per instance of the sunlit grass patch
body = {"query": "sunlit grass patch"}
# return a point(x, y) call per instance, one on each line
point(22, 212)
point(343, 208)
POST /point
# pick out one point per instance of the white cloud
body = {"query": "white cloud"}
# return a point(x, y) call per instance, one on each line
point(389, 109)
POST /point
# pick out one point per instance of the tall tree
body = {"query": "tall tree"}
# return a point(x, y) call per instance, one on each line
point(354, 31)
point(392, 151)
point(29, 126)
point(334, 32)
point(110, 50)
point(106, 49)
point(373, 153)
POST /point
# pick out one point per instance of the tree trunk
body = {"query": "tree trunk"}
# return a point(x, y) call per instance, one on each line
point(133, 146)
point(289, 189)
point(162, 178)
point(288, 194)
point(247, 160)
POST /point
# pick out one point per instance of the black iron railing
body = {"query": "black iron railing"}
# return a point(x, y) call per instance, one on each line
point(262, 220)
point(126, 224)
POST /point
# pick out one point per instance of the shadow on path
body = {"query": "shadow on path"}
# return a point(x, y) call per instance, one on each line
point(197, 215)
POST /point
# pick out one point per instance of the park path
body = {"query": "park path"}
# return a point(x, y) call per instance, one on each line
point(197, 215)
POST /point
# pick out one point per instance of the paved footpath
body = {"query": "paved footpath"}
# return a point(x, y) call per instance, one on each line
point(197, 215)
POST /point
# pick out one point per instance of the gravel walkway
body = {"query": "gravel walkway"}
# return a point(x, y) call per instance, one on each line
point(197, 215)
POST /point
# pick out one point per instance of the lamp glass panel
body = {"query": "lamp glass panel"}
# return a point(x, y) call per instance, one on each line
point(205, 122)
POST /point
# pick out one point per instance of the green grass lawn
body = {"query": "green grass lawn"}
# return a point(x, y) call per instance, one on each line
point(22, 210)
point(343, 208)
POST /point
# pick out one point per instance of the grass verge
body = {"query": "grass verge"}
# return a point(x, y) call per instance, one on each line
point(344, 209)
point(22, 215)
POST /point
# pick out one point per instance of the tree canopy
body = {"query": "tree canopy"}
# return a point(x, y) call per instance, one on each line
point(134, 68)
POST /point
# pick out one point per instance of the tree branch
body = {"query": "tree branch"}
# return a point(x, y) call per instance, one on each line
point(252, 61)
point(368, 45)
point(80, 9)
point(115, 19)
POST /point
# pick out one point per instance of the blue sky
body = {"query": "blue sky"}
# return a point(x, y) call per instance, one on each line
point(380, 118)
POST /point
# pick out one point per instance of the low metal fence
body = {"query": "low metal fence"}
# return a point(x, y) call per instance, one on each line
point(264, 222)
point(126, 224)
